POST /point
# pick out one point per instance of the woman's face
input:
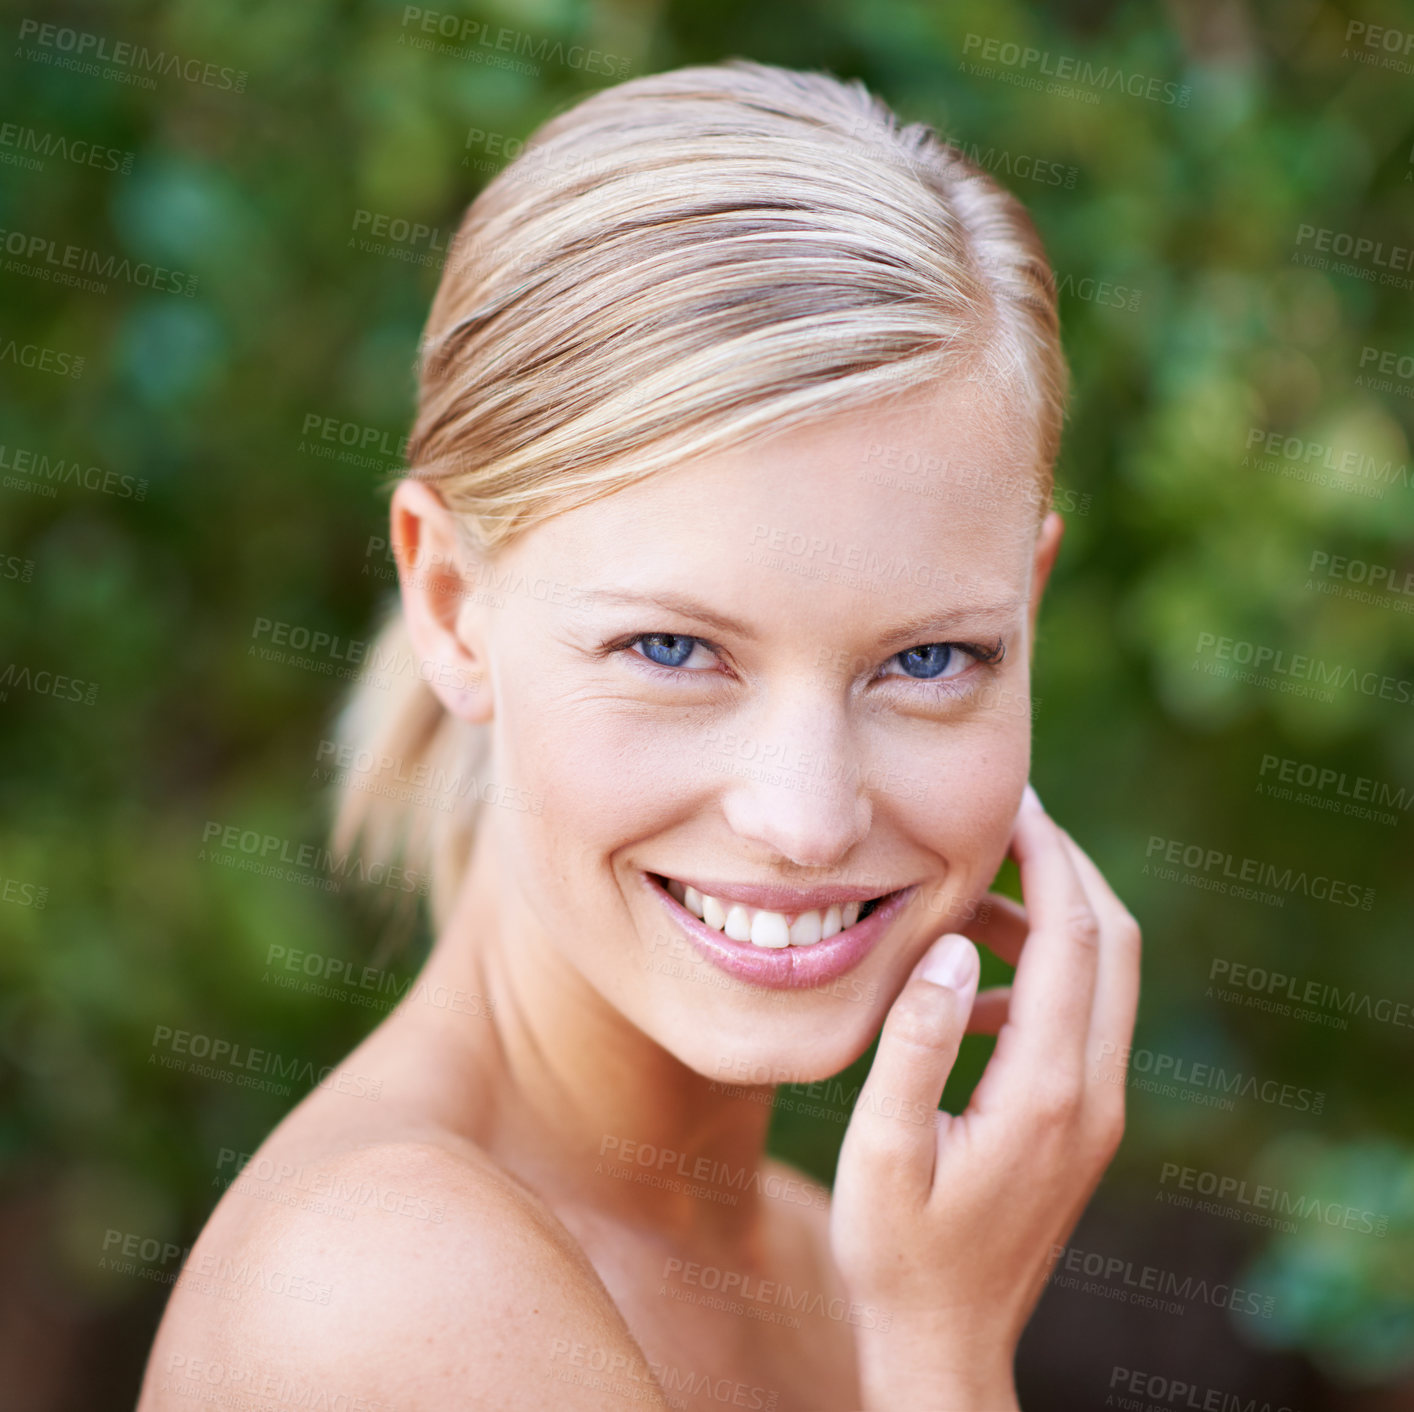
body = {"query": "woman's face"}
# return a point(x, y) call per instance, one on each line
point(802, 664)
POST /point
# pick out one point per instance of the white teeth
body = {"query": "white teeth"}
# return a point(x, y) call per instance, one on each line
point(805, 930)
point(769, 930)
point(738, 925)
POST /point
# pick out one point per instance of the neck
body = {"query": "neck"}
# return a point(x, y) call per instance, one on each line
point(563, 1090)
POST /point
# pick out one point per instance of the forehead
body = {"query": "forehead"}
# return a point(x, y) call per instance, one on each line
point(934, 488)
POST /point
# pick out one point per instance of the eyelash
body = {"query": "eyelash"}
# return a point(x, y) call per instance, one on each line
point(984, 654)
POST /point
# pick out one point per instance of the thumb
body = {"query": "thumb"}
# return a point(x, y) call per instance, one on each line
point(893, 1130)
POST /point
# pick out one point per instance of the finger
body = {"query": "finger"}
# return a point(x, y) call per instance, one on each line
point(892, 1136)
point(1000, 925)
point(1117, 985)
point(1043, 1049)
point(989, 1010)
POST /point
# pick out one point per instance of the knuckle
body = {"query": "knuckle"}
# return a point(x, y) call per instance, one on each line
point(883, 1149)
point(1109, 1131)
point(923, 1017)
point(1056, 1100)
point(1082, 926)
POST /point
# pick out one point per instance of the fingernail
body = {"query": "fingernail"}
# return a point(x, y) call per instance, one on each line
point(952, 963)
point(1031, 798)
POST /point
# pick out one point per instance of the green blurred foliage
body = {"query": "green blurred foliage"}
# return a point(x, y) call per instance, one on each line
point(1176, 529)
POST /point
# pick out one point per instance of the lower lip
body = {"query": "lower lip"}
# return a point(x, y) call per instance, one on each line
point(785, 967)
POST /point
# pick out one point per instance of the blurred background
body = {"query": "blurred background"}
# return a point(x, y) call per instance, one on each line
point(203, 406)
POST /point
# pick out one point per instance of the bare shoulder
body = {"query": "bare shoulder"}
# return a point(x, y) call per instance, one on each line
point(449, 1284)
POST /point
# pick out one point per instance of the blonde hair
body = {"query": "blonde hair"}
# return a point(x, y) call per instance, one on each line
point(674, 265)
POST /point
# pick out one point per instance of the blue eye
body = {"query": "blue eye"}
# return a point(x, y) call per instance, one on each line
point(931, 660)
point(942, 665)
point(667, 649)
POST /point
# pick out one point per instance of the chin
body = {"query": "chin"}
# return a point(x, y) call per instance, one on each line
point(789, 1038)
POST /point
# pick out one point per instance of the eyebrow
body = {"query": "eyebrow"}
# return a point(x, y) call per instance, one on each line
point(909, 630)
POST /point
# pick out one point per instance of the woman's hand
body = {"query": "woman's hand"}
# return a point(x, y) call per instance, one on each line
point(949, 1223)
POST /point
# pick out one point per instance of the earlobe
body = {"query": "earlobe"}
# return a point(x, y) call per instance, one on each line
point(436, 576)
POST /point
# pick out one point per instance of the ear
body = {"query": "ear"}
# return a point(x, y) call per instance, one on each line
point(437, 574)
point(1048, 541)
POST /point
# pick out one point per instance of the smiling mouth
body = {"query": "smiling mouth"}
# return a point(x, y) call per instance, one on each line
point(770, 931)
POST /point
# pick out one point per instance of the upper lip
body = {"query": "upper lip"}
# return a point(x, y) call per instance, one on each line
point(776, 897)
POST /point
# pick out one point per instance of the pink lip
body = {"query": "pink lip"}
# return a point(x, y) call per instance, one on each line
point(786, 967)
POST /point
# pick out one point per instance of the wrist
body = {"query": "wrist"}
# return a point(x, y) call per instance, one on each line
point(911, 1393)
point(901, 1374)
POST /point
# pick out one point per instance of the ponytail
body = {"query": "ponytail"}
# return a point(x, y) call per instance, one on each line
point(406, 794)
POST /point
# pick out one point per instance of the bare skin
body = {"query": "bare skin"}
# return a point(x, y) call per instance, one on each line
point(567, 1151)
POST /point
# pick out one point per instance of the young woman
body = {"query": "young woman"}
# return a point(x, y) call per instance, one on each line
point(706, 706)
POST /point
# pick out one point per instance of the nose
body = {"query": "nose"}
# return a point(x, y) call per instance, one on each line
point(797, 786)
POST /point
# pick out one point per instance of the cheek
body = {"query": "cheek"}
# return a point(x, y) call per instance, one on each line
point(603, 779)
point(965, 799)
